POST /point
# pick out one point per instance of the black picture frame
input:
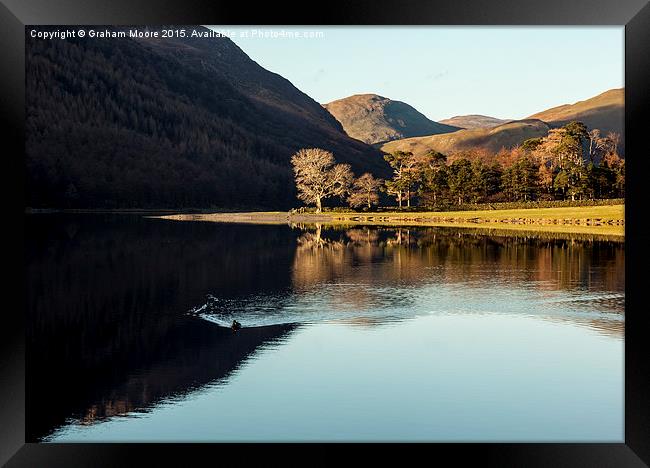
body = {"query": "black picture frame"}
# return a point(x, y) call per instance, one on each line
point(633, 14)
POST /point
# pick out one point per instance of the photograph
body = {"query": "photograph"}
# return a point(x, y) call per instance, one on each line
point(279, 234)
point(249, 233)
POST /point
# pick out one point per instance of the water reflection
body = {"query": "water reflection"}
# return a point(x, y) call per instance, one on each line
point(120, 307)
point(374, 275)
point(194, 354)
point(107, 301)
point(401, 254)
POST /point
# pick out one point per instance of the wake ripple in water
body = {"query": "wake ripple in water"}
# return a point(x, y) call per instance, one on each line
point(371, 305)
point(344, 303)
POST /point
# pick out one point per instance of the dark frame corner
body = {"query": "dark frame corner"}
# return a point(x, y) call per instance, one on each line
point(633, 14)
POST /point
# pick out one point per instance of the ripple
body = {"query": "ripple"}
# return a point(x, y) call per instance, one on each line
point(368, 305)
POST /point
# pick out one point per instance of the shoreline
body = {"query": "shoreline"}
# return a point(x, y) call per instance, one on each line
point(607, 220)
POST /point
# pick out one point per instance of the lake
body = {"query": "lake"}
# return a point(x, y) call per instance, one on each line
point(357, 333)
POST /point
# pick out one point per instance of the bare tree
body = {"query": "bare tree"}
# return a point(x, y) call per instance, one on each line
point(595, 143)
point(317, 177)
point(600, 146)
point(364, 191)
point(615, 139)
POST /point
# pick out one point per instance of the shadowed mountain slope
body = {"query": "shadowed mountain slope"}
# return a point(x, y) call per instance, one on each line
point(182, 122)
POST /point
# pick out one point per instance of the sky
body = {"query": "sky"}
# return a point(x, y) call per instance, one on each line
point(505, 72)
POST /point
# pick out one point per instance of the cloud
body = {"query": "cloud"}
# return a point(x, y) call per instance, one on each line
point(320, 73)
point(436, 76)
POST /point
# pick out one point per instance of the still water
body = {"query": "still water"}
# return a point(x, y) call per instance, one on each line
point(358, 333)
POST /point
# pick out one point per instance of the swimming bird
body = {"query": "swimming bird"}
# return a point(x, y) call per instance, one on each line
point(235, 325)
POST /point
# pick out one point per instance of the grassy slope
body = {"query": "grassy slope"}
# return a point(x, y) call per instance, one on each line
point(373, 119)
point(474, 121)
point(492, 139)
point(612, 98)
point(604, 111)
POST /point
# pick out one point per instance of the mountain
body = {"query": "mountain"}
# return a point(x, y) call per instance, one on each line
point(179, 122)
point(375, 119)
point(605, 112)
point(507, 135)
point(474, 121)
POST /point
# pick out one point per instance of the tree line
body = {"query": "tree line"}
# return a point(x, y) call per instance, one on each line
point(569, 163)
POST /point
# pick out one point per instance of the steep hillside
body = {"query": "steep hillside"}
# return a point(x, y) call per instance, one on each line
point(474, 121)
point(191, 122)
point(605, 112)
point(375, 119)
point(493, 139)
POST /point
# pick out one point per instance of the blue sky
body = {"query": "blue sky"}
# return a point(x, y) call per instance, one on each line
point(506, 72)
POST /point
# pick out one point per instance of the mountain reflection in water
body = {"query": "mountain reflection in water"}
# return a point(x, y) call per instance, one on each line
point(120, 306)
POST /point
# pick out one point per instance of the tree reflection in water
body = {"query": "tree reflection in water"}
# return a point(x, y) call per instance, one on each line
point(108, 329)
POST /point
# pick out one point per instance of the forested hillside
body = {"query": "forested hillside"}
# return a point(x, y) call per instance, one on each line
point(125, 123)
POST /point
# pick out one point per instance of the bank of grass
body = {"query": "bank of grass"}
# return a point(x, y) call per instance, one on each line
point(604, 212)
point(605, 231)
point(606, 220)
point(537, 204)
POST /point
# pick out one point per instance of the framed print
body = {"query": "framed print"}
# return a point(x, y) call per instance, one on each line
point(377, 223)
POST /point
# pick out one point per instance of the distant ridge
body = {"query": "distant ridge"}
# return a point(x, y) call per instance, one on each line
point(474, 121)
point(605, 112)
point(374, 119)
point(507, 135)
